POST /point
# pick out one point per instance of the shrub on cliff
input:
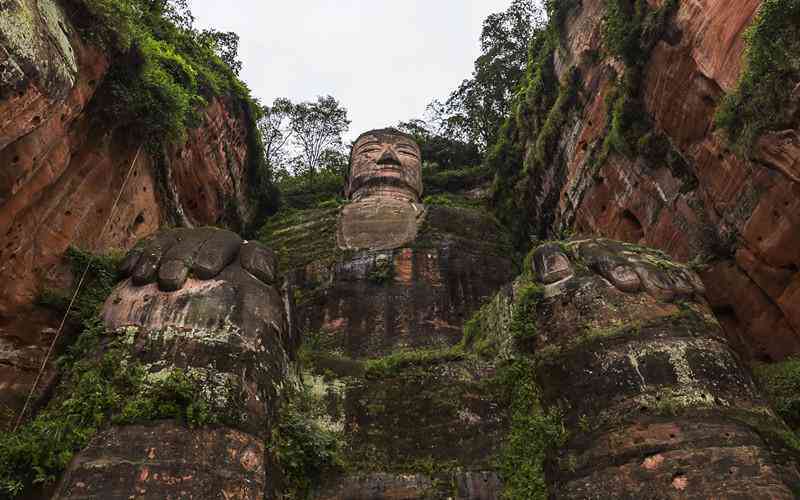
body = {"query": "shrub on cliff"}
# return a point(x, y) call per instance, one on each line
point(163, 69)
point(781, 383)
point(771, 73)
point(163, 72)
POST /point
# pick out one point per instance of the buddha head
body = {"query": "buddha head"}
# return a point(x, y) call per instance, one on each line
point(385, 163)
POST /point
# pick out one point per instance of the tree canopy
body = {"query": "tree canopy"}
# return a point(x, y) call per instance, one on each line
point(474, 112)
point(304, 138)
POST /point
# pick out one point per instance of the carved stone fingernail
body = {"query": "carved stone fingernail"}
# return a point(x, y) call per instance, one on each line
point(217, 252)
point(624, 277)
point(551, 263)
point(259, 261)
point(172, 275)
point(656, 282)
point(128, 264)
point(146, 268)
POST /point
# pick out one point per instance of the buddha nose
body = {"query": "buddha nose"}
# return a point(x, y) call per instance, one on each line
point(389, 157)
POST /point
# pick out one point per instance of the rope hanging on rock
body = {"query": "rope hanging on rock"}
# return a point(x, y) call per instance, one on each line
point(74, 296)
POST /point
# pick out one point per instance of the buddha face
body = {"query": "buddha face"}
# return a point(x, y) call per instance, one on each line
point(385, 163)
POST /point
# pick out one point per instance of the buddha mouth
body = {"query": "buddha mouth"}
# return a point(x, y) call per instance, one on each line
point(391, 167)
point(389, 162)
point(373, 181)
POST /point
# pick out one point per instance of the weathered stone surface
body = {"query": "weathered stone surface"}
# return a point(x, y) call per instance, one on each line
point(656, 402)
point(705, 199)
point(781, 150)
point(168, 460)
point(379, 224)
point(62, 168)
point(385, 163)
point(259, 260)
point(358, 307)
point(385, 184)
point(478, 485)
point(371, 303)
point(231, 331)
point(551, 263)
point(38, 65)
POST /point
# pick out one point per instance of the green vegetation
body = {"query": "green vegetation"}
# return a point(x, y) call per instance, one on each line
point(455, 179)
point(533, 434)
point(101, 384)
point(163, 72)
point(382, 273)
point(474, 337)
point(534, 99)
point(100, 387)
point(622, 29)
point(395, 363)
point(546, 142)
point(528, 140)
point(630, 30)
point(557, 13)
point(523, 319)
point(452, 200)
point(304, 450)
point(627, 122)
point(771, 70)
point(100, 279)
point(476, 110)
point(300, 237)
point(323, 189)
point(781, 382)
point(173, 396)
point(439, 153)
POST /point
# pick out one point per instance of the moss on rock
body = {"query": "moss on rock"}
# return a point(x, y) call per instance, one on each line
point(771, 69)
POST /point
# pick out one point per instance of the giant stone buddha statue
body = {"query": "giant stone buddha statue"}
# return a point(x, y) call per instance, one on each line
point(385, 185)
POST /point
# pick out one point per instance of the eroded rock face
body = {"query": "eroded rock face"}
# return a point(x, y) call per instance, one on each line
point(38, 65)
point(373, 303)
point(370, 307)
point(61, 170)
point(704, 199)
point(656, 402)
point(149, 462)
point(228, 326)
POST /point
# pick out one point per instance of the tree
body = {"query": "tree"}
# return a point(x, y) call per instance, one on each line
point(276, 132)
point(225, 44)
point(304, 138)
point(176, 12)
point(317, 127)
point(335, 162)
point(475, 111)
point(439, 151)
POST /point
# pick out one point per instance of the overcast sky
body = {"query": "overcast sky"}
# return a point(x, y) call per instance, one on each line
point(385, 60)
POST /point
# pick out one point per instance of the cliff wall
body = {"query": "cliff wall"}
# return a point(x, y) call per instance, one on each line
point(636, 155)
point(64, 162)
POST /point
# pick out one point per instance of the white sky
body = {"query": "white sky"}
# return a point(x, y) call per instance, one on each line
point(384, 60)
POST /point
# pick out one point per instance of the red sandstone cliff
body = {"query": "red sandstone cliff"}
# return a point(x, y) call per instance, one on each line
point(750, 207)
point(61, 169)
